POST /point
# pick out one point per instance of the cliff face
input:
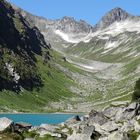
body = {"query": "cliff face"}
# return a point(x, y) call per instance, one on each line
point(115, 15)
point(19, 42)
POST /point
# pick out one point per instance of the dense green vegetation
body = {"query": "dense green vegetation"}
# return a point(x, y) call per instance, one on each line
point(136, 93)
point(133, 135)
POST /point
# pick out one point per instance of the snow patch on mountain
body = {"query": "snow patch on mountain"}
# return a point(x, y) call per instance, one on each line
point(110, 44)
point(113, 30)
point(73, 38)
point(120, 27)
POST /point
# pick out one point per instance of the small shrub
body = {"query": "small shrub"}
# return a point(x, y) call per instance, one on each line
point(136, 93)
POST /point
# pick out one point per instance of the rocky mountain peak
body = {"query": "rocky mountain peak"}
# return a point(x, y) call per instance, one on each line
point(116, 14)
point(70, 25)
point(67, 19)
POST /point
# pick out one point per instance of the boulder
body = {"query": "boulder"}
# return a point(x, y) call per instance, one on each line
point(119, 115)
point(21, 127)
point(42, 132)
point(44, 129)
point(97, 117)
point(138, 138)
point(124, 114)
point(73, 120)
point(99, 129)
point(132, 107)
point(49, 127)
point(88, 130)
point(110, 112)
point(85, 118)
point(127, 126)
point(5, 123)
point(78, 136)
point(118, 136)
point(110, 126)
point(138, 109)
point(65, 130)
point(137, 126)
point(128, 115)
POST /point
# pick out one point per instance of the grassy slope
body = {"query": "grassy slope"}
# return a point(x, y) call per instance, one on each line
point(124, 86)
point(55, 88)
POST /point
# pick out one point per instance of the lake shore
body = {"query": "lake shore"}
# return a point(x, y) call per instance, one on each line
point(44, 113)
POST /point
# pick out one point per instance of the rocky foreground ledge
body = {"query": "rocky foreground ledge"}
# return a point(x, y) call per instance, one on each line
point(113, 123)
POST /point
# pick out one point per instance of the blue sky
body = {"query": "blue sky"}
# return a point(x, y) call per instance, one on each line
point(88, 10)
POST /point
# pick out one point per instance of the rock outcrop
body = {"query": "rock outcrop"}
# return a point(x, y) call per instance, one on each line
point(5, 123)
point(115, 15)
point(121, 124)
point(96, 126)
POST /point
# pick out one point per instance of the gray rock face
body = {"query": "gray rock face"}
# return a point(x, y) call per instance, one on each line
point(114, 15)
point(44, 129)
point(48, 127)
point(118, 136)
point(78, 137)
point(137, 126)
point(66, 24)
point(127, 126)
point(126, 113)
point(70, 25)
point(88, 130)
point(132, 106)
point(5, 123)
point(110, 112)
point(97, 117)
point(110, 126)
point(73, 120)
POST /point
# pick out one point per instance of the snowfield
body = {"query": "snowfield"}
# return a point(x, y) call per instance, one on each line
point(72, 38)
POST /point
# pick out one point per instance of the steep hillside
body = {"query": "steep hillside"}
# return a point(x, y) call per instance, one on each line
point(19, 42)
point(29, 78)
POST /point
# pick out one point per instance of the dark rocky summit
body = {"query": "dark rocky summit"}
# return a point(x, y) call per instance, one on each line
point(115, 15)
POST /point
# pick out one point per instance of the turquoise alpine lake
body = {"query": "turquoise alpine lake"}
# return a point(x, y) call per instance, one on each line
point(37, 119)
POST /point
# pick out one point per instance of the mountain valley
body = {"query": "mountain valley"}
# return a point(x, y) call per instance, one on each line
point(78, 66)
